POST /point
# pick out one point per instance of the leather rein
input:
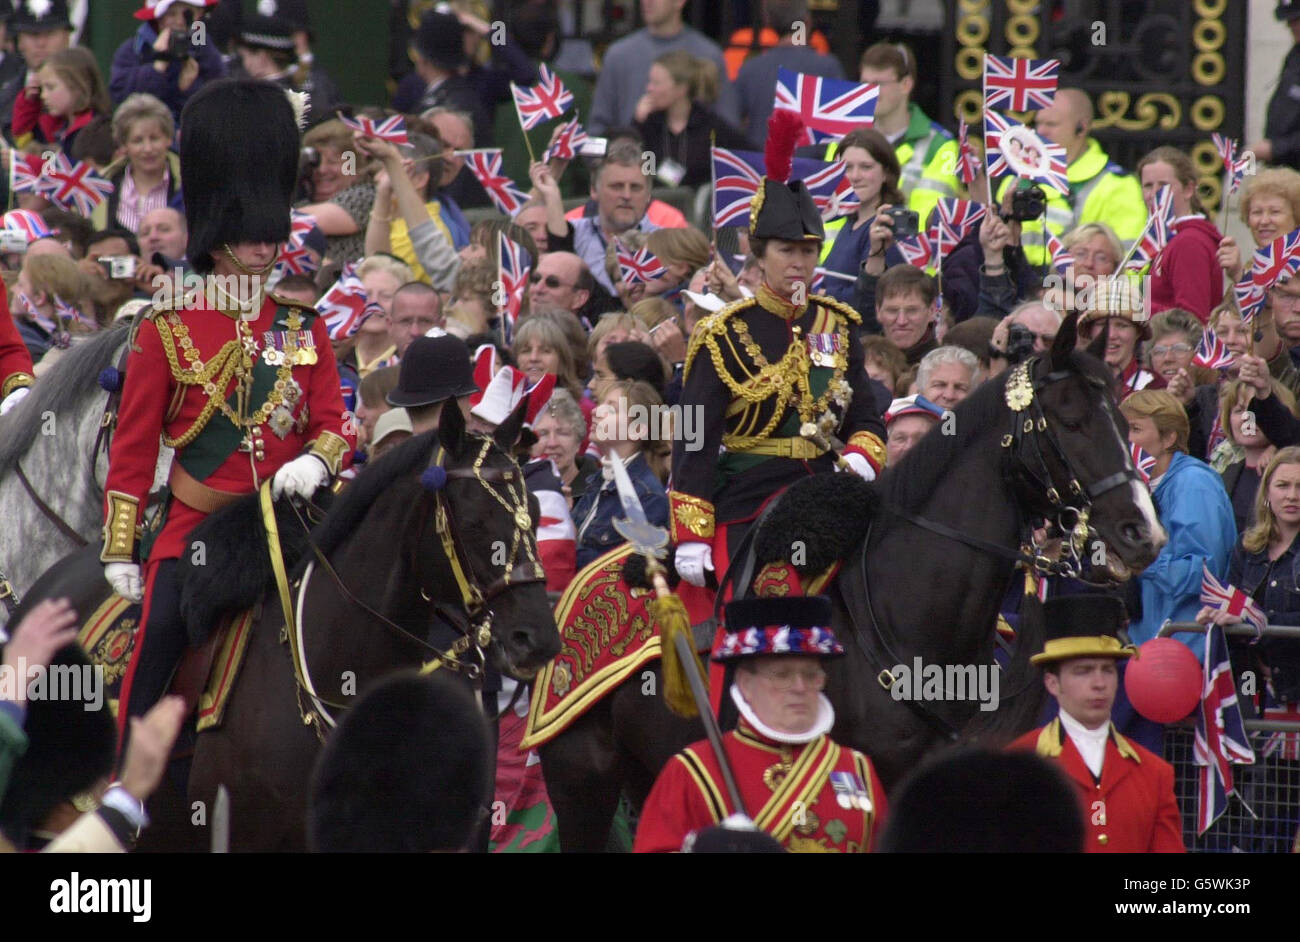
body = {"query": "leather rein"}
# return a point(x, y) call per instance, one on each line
point(474, 615)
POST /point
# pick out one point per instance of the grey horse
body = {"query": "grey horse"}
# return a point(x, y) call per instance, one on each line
point(51, 435)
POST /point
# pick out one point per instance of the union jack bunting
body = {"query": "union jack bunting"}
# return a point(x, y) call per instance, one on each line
point(344, 306)
point(1231, 600)
point(565, 146)
point(72, 187)
point(1236, 166)
point(1144, 462)
point(30, 224)
point(1221, 739)
point(956, 219)
point(1054, 175)
point(1212, 353)
point(638, 267)
point(547, 99)
point(391, 129)
point(738, 173)
point(1019, 84)
point(486, 166)
point(830, 108)
point(1061, 257)
point(967, 163)
point(513, 269)
point(24, 172)
point(919, 250)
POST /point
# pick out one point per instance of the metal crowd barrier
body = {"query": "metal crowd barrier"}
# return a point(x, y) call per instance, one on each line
point(1264, 815)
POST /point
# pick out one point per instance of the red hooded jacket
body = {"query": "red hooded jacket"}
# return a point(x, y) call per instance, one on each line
point(1186, 273)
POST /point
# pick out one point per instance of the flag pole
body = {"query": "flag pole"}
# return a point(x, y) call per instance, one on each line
point(522, 128)
point(1136, 242)
point(713, 190)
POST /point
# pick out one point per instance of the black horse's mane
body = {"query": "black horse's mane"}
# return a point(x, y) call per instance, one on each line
point(355, 501)
point(910, 484)
point(73, 378)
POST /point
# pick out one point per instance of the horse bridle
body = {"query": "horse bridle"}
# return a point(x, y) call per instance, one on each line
point(474, 620)
point(1029, 429)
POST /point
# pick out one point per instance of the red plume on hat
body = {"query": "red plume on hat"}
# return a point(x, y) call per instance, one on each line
point(784, 128)
point(485, 367)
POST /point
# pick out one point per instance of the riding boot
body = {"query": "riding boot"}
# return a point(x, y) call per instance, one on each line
point(159, 646)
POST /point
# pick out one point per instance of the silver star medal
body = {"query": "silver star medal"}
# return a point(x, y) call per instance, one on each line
point(281, 422)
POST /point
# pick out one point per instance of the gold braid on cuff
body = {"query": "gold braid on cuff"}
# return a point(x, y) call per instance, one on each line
point(15, 381)
point(330, 448)
point(120, 529)
point(691, 518)
point(871, 446)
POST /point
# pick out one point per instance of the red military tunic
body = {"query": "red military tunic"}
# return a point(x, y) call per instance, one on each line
point(829, 801)
point(1133, 809)
point(15, 360)
point(184, 367)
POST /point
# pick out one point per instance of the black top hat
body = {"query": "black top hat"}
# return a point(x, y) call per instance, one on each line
point(36, 16)
point(433, 369)
point(1086, 625)
point(245, 125)
point(407, 771)
point(440, 39)
point(780, 209)
point(1287, 10)
point(266, 32)
point(778, 625)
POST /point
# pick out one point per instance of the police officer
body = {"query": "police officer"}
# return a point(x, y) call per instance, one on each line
point(1281, 143)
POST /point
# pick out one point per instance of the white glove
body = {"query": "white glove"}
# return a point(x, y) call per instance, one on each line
point(15, 397)
point(300, 477)
point(125, 580)
point(860, 465)
point(691, 560)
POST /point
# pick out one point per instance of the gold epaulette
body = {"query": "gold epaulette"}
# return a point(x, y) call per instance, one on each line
point(838, 306)
point(711, 326)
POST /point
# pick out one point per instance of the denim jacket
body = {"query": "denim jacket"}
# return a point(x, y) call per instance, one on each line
point(599, 506)
point(1280, 599)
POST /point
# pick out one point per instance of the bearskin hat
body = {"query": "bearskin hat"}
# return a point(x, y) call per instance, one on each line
point(239, 164)
point(408, 770)
point(70, 747)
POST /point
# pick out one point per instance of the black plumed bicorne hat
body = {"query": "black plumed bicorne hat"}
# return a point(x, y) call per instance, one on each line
point(239, 161)
point(783, 209)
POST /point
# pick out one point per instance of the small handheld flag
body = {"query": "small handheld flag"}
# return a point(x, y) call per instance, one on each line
point(830, 108)
point(486, 167)
point(1019, 84)
point(638, 267)
point(547, 99)
point(345, 306)
point(391, 129)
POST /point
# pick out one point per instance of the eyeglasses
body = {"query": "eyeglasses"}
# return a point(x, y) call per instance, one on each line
point(550, 280)
point(783, 678)
point(1160, 350)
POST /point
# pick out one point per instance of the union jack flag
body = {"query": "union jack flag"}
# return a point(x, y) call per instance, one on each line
point(738, 173)
point(1062, 259)
point(1221, 739)
point(1236, 166)
point(1277, 261)
point(1055, 173)
point(956, 219)
point(638, 267)
point(486, 166)
point(69, 313)
point(73, 187)
point(295, 258)
point(547, 99)
point(513, 268)
point(1144, 462)
point(24, 172)
point(345, 306)
point(830, 108)
point(565, 146)
point(391, 129)
point(1212, 353)
point(967, 163)
point(919, 250)
point(1019, 84)
point(50, 325)
point(1143, 253)
point(1231, 600)
point(818, 285)
point(30, 224)
point(1288, 744)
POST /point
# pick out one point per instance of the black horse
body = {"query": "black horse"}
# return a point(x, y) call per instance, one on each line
point(927, 581)
point(435, 537)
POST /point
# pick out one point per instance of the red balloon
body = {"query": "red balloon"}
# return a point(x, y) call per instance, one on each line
point(1164, 681)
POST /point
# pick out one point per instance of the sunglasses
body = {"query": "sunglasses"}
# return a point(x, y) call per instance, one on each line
point(550, 281)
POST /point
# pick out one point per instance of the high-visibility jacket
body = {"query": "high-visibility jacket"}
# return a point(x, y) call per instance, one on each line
point(1100, 191)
